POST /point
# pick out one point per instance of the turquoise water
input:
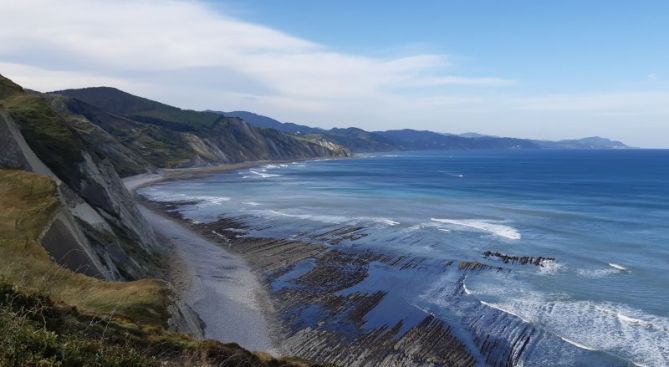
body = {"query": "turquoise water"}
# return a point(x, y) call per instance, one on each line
point(603, 215)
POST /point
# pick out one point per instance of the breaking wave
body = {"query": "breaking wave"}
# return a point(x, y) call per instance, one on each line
point(329, 219)
point(489, 226)
point(616, 329)
point(169, 197)
point(617, 266)
point(260, 173)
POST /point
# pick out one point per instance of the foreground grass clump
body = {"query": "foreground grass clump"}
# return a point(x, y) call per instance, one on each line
point(35, 332)
point(28, 202)
point(39, 332)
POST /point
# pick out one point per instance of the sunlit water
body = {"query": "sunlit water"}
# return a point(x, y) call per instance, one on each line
point(603, 215)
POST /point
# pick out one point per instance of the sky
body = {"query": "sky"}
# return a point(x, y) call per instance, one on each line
point(529, 69)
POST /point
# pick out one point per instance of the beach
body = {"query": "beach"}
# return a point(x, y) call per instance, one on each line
point(215, 283)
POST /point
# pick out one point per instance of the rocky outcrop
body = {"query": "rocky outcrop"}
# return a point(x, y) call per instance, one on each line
point(323, 320)
point(99, 230)
point(521, 260)
point(476, 266)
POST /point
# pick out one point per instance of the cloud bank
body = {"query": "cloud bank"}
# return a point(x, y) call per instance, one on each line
point(188, 54)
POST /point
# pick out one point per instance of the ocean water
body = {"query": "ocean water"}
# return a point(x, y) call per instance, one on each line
point(603, 216)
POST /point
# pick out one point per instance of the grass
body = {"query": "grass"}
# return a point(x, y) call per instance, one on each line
point(47, 134)
point(28, 202)
point(51, 316)
point(8, 88)
point(36, 331)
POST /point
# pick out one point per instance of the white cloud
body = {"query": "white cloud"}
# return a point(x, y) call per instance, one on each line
point(123, 39)
point(185, 53)
point(47, 80)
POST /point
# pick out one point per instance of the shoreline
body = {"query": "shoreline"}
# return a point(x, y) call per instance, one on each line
point(226, 294)
point(133, 183)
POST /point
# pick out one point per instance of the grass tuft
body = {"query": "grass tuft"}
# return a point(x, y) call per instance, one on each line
point(28, 202)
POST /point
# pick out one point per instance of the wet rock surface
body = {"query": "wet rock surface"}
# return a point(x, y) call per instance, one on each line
point(343, 304)
point(522, 260)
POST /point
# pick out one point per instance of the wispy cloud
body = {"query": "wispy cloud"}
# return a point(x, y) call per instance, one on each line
point(186, 53)
point(147, 40)
point(618, 103)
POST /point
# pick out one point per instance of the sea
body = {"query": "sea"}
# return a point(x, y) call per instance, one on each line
point(602, 215)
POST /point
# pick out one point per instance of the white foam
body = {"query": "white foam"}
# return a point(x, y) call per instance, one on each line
point(389, 222)
point(613, 328)
point(252, 203)
point(415, 227)
point(550, 267)
point(381, 220)
point(170, 197)
point(577, 344)
point(497, 307)
point(489, 226)
point(261, 173)
point(633, 320)
point(464, 287)
point(212, 199)
point(596, 273)
point(310, 217)
point(617, 266)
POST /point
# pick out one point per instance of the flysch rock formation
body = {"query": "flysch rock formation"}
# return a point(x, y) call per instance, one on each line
point(328, 315)
point(98, 223)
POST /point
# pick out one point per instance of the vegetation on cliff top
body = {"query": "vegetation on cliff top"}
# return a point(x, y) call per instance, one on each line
point(8, 88)
point(51, 316)
point(28, 202)
point(48, 136)
point(168, 136)
point(36, 331)
point(144, 110)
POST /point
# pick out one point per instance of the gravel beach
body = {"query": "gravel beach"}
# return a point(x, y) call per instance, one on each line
point(217, 284)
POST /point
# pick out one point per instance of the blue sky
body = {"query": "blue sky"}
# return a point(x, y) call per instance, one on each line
point(556, 46)
point(538, 69)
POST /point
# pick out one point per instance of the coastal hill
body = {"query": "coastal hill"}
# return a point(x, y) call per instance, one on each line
point(268, 122)
point(81, 271)
point(358, 140)
point(169, 137)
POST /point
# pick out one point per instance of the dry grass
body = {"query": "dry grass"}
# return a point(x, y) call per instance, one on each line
point(28, 202)
point(112, 323)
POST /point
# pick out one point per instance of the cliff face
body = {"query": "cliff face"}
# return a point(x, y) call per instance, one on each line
point(98, 229)
point(85, 140)
point(68, 223)
point(166, 136)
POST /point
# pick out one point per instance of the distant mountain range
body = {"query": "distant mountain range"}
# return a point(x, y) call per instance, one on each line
point(358, 140)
